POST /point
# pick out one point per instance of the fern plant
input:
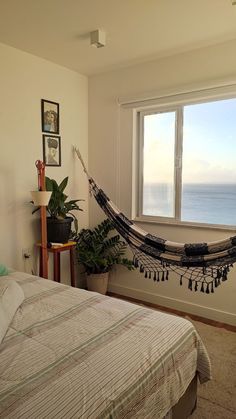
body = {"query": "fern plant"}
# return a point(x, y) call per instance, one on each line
point(97, 252)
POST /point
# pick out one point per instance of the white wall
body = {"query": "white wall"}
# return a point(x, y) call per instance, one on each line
point(110, 155)
point(24, 81)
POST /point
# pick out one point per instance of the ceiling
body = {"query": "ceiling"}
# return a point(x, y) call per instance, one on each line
point(137, 30)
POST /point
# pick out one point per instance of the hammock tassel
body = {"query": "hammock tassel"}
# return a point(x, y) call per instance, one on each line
point(224, 274)
point(212, 287)
point(196, 286)
point(135, 262)
point(202, 287)
point(181, 280)
point(163, 276)
point(207, 289)
point(190, 284)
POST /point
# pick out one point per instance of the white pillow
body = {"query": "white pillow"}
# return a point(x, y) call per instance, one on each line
point(11, 297)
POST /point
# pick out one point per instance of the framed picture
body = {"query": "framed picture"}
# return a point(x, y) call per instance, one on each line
point(51, 150)
point(50, 116)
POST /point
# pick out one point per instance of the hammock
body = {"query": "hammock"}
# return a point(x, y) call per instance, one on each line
point(205, 265)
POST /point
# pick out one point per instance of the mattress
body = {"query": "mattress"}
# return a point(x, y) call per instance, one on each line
point(71, 353)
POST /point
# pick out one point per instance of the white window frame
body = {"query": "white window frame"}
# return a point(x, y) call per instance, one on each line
point(167, 104)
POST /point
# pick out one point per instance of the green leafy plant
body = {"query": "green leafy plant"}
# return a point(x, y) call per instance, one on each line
point(58, 206)
point(97, 252)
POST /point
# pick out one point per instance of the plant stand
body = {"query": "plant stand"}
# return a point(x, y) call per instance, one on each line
point(56, 251)
point(44, 251)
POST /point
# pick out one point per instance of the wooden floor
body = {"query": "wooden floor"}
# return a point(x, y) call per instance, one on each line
point(177, 312)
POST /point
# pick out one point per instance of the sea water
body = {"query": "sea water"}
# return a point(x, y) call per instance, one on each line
point(203, 203)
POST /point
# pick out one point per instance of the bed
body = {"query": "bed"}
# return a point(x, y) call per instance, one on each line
point(71, 353)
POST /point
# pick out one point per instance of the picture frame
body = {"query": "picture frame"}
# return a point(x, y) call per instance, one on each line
point(50, 116)
point(51, 150)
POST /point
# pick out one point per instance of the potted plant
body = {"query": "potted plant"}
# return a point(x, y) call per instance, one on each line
point(98, 253)
point(59, 210)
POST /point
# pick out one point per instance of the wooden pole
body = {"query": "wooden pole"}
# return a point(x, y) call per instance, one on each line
point(44, 251)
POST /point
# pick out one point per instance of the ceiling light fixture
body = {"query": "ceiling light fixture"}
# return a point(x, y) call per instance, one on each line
point(98, 38)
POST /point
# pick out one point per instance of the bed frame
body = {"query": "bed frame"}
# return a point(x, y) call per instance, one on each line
point(187, 403)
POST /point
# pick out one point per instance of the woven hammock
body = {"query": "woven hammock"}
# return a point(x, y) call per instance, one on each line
point(204, 265)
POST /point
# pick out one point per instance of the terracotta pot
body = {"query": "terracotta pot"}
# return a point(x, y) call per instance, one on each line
point(98, 282)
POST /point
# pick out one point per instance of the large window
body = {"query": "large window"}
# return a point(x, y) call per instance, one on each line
point(188, 163)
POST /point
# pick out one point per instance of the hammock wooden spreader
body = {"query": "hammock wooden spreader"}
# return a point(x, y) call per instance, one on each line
point(205, 265)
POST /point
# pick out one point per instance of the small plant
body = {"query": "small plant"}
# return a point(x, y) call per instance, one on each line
point(97, 252)
point(58, 206)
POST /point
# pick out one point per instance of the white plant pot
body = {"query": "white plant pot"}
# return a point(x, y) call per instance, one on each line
point(98, 282)
point(41, 198)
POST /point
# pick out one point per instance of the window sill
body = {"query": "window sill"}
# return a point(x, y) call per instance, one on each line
point(189, 224)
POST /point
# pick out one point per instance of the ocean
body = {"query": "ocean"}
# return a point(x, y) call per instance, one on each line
point(203, 203)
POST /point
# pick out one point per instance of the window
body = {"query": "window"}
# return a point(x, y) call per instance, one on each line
point(188, 162)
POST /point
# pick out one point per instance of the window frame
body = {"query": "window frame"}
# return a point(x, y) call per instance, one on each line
point(175, 104)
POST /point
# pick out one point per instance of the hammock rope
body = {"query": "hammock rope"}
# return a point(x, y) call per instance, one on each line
point(204, 265)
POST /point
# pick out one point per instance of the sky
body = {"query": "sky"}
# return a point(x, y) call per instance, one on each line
point(209, 144)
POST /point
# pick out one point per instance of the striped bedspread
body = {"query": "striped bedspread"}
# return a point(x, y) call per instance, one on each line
point(70, 353)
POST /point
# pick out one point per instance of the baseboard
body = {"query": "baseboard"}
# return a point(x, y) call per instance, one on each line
point(175, 304)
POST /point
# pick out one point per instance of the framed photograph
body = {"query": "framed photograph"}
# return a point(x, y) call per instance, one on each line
point(51, 150)
point(50, 116)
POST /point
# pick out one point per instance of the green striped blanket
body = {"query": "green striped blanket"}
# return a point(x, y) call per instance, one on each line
point(71, 353)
